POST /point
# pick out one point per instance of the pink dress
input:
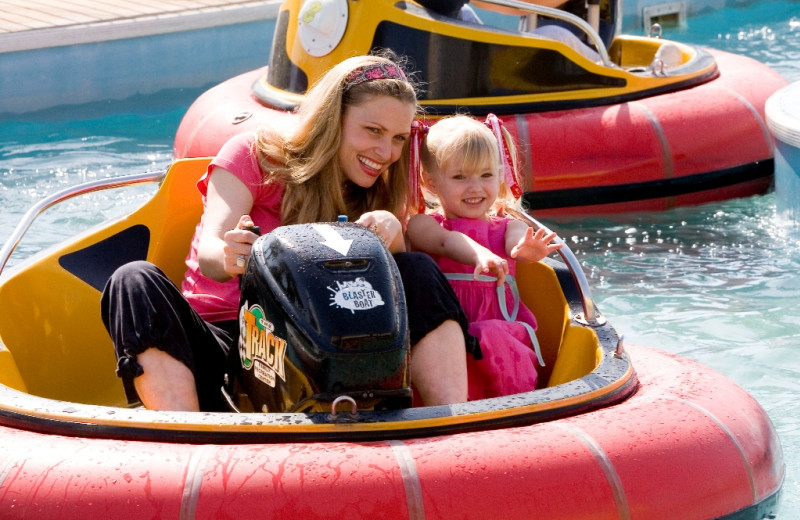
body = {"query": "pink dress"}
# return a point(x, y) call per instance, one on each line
point(508, 341)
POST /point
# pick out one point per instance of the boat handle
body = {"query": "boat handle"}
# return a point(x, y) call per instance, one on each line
point(590, 315)
point(65, 194)
point(655, 31)
point(353, 407)
point(618, 352)
point(564, 16)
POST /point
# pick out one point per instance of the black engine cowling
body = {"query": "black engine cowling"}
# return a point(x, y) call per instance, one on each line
point(322, 314)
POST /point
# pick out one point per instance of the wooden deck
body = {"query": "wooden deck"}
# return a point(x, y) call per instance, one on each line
point(32, 24)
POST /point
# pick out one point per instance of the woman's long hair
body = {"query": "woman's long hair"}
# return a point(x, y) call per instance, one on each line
point(306, 160)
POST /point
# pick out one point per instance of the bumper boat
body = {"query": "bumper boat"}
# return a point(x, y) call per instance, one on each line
point(652, 124)
point(615, 431)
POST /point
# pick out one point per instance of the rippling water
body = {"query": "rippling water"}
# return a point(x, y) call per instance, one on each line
point(59, 148)
point(718, 283)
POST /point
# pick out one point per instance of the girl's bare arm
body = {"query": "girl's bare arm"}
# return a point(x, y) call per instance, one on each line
point(425, 234)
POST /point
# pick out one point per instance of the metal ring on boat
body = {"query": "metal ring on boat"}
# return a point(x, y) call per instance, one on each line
point(242, 116)
point(353, 407)
point(655, 30)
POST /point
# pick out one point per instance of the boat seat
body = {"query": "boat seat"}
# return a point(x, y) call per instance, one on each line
point(549, 66)
point(608, 14)
point(51, 326)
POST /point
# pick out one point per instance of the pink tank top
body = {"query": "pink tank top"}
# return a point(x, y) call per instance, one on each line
point(218, 301)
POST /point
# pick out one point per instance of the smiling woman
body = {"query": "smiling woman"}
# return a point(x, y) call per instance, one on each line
point(374, 134)
point(348, 155)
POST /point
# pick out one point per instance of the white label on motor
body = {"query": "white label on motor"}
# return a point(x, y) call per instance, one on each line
point(356, 295)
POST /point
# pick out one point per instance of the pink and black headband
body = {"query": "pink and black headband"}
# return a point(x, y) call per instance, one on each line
point(374, 71)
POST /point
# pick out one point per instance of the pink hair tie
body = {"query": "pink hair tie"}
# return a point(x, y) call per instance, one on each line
point(495, 125)
point(418, 131)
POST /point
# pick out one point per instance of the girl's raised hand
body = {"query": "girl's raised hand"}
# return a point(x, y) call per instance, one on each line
point(532, 247)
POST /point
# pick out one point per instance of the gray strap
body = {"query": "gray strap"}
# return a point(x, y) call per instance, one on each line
point(501, 298)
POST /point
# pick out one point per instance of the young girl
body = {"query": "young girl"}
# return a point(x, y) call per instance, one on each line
point(468, 166)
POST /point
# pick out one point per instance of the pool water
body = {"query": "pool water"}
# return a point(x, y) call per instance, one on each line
point(718, 283)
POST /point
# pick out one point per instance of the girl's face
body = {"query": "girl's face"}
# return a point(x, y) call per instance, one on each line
point(373, 135)
point(465, 190)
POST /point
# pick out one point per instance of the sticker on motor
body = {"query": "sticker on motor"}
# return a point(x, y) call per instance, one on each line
point(355, 295)
point(259, 348)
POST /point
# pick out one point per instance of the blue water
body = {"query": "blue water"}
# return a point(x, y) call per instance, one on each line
point(718, 283)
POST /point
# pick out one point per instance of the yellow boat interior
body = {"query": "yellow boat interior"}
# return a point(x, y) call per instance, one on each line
point(57, 362)
point(478, 66)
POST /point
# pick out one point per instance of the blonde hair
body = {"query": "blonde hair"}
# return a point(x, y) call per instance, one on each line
point(460, 137)
point(306, 160)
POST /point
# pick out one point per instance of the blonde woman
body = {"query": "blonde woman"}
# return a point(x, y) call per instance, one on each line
point(347, 155)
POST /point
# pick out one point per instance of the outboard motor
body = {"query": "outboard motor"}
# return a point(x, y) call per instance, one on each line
point(322, 315)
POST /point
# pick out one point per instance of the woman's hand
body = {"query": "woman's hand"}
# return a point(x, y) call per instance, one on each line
point(238, 243)
point(386, 226)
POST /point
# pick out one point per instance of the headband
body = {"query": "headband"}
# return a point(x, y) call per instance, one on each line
point(496, 125)
point(418, 131)
point(374, 71)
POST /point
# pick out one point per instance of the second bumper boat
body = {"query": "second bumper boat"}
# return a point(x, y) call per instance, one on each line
point(652, 124)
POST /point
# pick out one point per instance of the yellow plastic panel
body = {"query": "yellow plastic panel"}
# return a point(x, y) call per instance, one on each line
point(540, 290)
point(9, 375)
point(51, 325)
point(580, 354)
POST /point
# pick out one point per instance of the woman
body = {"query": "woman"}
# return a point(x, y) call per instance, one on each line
point(348, 155)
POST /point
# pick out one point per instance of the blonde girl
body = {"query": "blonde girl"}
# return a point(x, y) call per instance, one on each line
point(470, 168)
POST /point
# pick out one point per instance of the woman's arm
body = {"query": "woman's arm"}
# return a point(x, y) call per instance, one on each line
point(523, 245)
point(425, 234)
point(228, 203)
